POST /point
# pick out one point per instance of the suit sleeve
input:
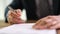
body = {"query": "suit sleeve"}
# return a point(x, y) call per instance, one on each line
point(16, 4)
point(56, 7)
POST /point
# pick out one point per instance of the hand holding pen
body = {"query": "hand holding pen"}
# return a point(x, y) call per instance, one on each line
point(14, 16)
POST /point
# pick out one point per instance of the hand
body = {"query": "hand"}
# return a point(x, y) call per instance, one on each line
point(14, 16)
point(49, 22)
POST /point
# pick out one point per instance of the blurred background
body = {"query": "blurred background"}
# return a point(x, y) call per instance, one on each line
point(3, 4)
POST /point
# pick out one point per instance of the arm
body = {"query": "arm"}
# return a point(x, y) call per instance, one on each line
point(56, 7)
point(15, 5)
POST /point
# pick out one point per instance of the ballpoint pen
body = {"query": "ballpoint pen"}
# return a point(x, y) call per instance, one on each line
point(11, 9)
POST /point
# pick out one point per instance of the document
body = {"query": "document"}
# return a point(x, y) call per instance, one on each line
point(25, 29)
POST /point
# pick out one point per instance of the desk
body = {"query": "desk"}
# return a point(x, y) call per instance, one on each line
point(3, 24)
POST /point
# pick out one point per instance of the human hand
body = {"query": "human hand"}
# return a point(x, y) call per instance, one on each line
point(14, 16)
point(49, 22)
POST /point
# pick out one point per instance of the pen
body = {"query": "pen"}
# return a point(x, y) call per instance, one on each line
point(11, 9)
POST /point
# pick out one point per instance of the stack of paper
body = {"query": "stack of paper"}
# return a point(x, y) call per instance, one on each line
point(24, 29)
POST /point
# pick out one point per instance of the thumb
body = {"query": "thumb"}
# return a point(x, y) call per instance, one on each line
point(55, 26)
point(18, 11)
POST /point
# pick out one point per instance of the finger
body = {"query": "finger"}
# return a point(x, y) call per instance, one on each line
point(40, 27)
point(54, 22)
point(55, 26)
point(20, 21)
point(48, 20)
point(17, 20)
point(14, 14)
point(51, 24)
point(18, 12)
point(52, 17)
point(9, 13)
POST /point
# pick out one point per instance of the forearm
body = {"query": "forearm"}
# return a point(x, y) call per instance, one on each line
point(5, 14)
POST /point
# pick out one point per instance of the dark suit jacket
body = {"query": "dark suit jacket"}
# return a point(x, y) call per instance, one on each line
point(30, 7)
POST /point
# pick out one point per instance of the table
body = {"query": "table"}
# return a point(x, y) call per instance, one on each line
point(3, 24)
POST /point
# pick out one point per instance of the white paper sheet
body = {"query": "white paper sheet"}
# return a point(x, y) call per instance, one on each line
point(24, 29)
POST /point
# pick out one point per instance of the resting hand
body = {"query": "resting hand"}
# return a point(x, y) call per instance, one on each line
point(49, 22)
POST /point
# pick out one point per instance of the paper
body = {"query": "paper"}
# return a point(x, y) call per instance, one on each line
point(24, 29)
